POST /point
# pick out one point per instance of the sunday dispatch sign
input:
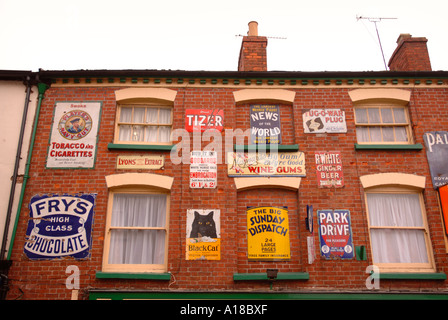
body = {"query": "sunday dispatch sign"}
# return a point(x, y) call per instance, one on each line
point(268, 233)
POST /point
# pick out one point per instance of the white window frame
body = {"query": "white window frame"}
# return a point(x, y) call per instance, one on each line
point(381, 124)
point(107, 267)
point(398, 183)
point(145, 124)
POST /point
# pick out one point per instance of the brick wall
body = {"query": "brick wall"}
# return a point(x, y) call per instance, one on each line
point(46, 279)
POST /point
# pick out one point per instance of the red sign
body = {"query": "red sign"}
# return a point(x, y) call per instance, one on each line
point(329, 169)
point(199, 120)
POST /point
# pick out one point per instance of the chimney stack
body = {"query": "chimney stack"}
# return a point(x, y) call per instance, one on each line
point(411, 54)
point(253, 51)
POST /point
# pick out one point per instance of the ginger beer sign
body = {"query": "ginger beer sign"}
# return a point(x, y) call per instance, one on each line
point(268, 233)
point(335, 234)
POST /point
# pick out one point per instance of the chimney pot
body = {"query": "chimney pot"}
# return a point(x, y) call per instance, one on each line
point(253, 29)
point(253, 51)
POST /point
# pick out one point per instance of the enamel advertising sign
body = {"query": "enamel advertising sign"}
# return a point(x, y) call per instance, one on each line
point(203, 234)
point(268, 233)
point(265, 124)
point(74, 134)
point(203, 169)
point(199, 120)
point(324, 121)
point(277, 164)
point(60, 226)
point(335, 234)
point(436, 144)
point(329, 169)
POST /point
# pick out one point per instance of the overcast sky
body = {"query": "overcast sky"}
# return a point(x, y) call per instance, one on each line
point(319, 35)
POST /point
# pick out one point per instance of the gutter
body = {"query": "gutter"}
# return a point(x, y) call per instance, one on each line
point(42, 87)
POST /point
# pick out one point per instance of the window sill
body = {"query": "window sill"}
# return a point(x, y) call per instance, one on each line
point(264, 276)
point(417, 146)
point(411, 276)
point(149, 147)
point(148, 276)
point(267, 147)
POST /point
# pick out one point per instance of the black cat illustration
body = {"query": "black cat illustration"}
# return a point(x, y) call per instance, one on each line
point(203, 226)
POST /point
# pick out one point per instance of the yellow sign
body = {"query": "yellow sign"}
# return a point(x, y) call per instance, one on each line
point(276, 164)
point(268, 233)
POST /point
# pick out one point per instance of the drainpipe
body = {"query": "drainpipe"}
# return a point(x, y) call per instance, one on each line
point(28, 84)
point(42, 87)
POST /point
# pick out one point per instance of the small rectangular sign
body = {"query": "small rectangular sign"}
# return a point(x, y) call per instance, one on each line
point(324, 121)
point(60, 226)
point(199, 120)
point(203, 169)
point(436, 144)
point(265, 124)
point(203, 234)
point(140, 162)
point(329, 169)
point(268, 233)
point(276, 164)
point(74, 134)
point(335, 234)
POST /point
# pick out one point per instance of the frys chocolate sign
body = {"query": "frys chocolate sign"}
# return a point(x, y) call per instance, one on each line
point(60, 226)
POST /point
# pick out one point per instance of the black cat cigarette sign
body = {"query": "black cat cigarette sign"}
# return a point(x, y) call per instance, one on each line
point(203, 234)
point(268, 233)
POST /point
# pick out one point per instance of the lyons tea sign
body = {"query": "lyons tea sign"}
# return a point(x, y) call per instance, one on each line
point(60, 226)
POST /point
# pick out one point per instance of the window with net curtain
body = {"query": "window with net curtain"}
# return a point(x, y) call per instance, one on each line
point(386, 124)
point(398, 230)
point(144, 124)
point(138, 229)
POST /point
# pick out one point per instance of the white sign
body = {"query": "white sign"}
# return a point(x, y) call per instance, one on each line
point(203, 169)
point(74, 135)
point(324, 121)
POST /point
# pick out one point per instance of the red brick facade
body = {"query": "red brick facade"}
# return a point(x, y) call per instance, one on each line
point(427, 106)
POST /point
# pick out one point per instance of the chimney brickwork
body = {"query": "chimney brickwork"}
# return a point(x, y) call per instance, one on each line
point(411, 54)
point(253, 51)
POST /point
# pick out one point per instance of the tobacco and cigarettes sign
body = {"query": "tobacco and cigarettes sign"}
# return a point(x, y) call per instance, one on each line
point(329, 169)
point(324, 121)
point(335, 234)
point(265, 124)
point(268, 233)
point(60, 226)
point(74, 133)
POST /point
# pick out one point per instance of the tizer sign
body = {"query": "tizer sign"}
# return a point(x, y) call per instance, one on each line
point(60, 226)
point(199, 120)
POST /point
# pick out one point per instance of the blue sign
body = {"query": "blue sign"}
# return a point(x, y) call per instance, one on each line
point(60, 226)
point(335, 234)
